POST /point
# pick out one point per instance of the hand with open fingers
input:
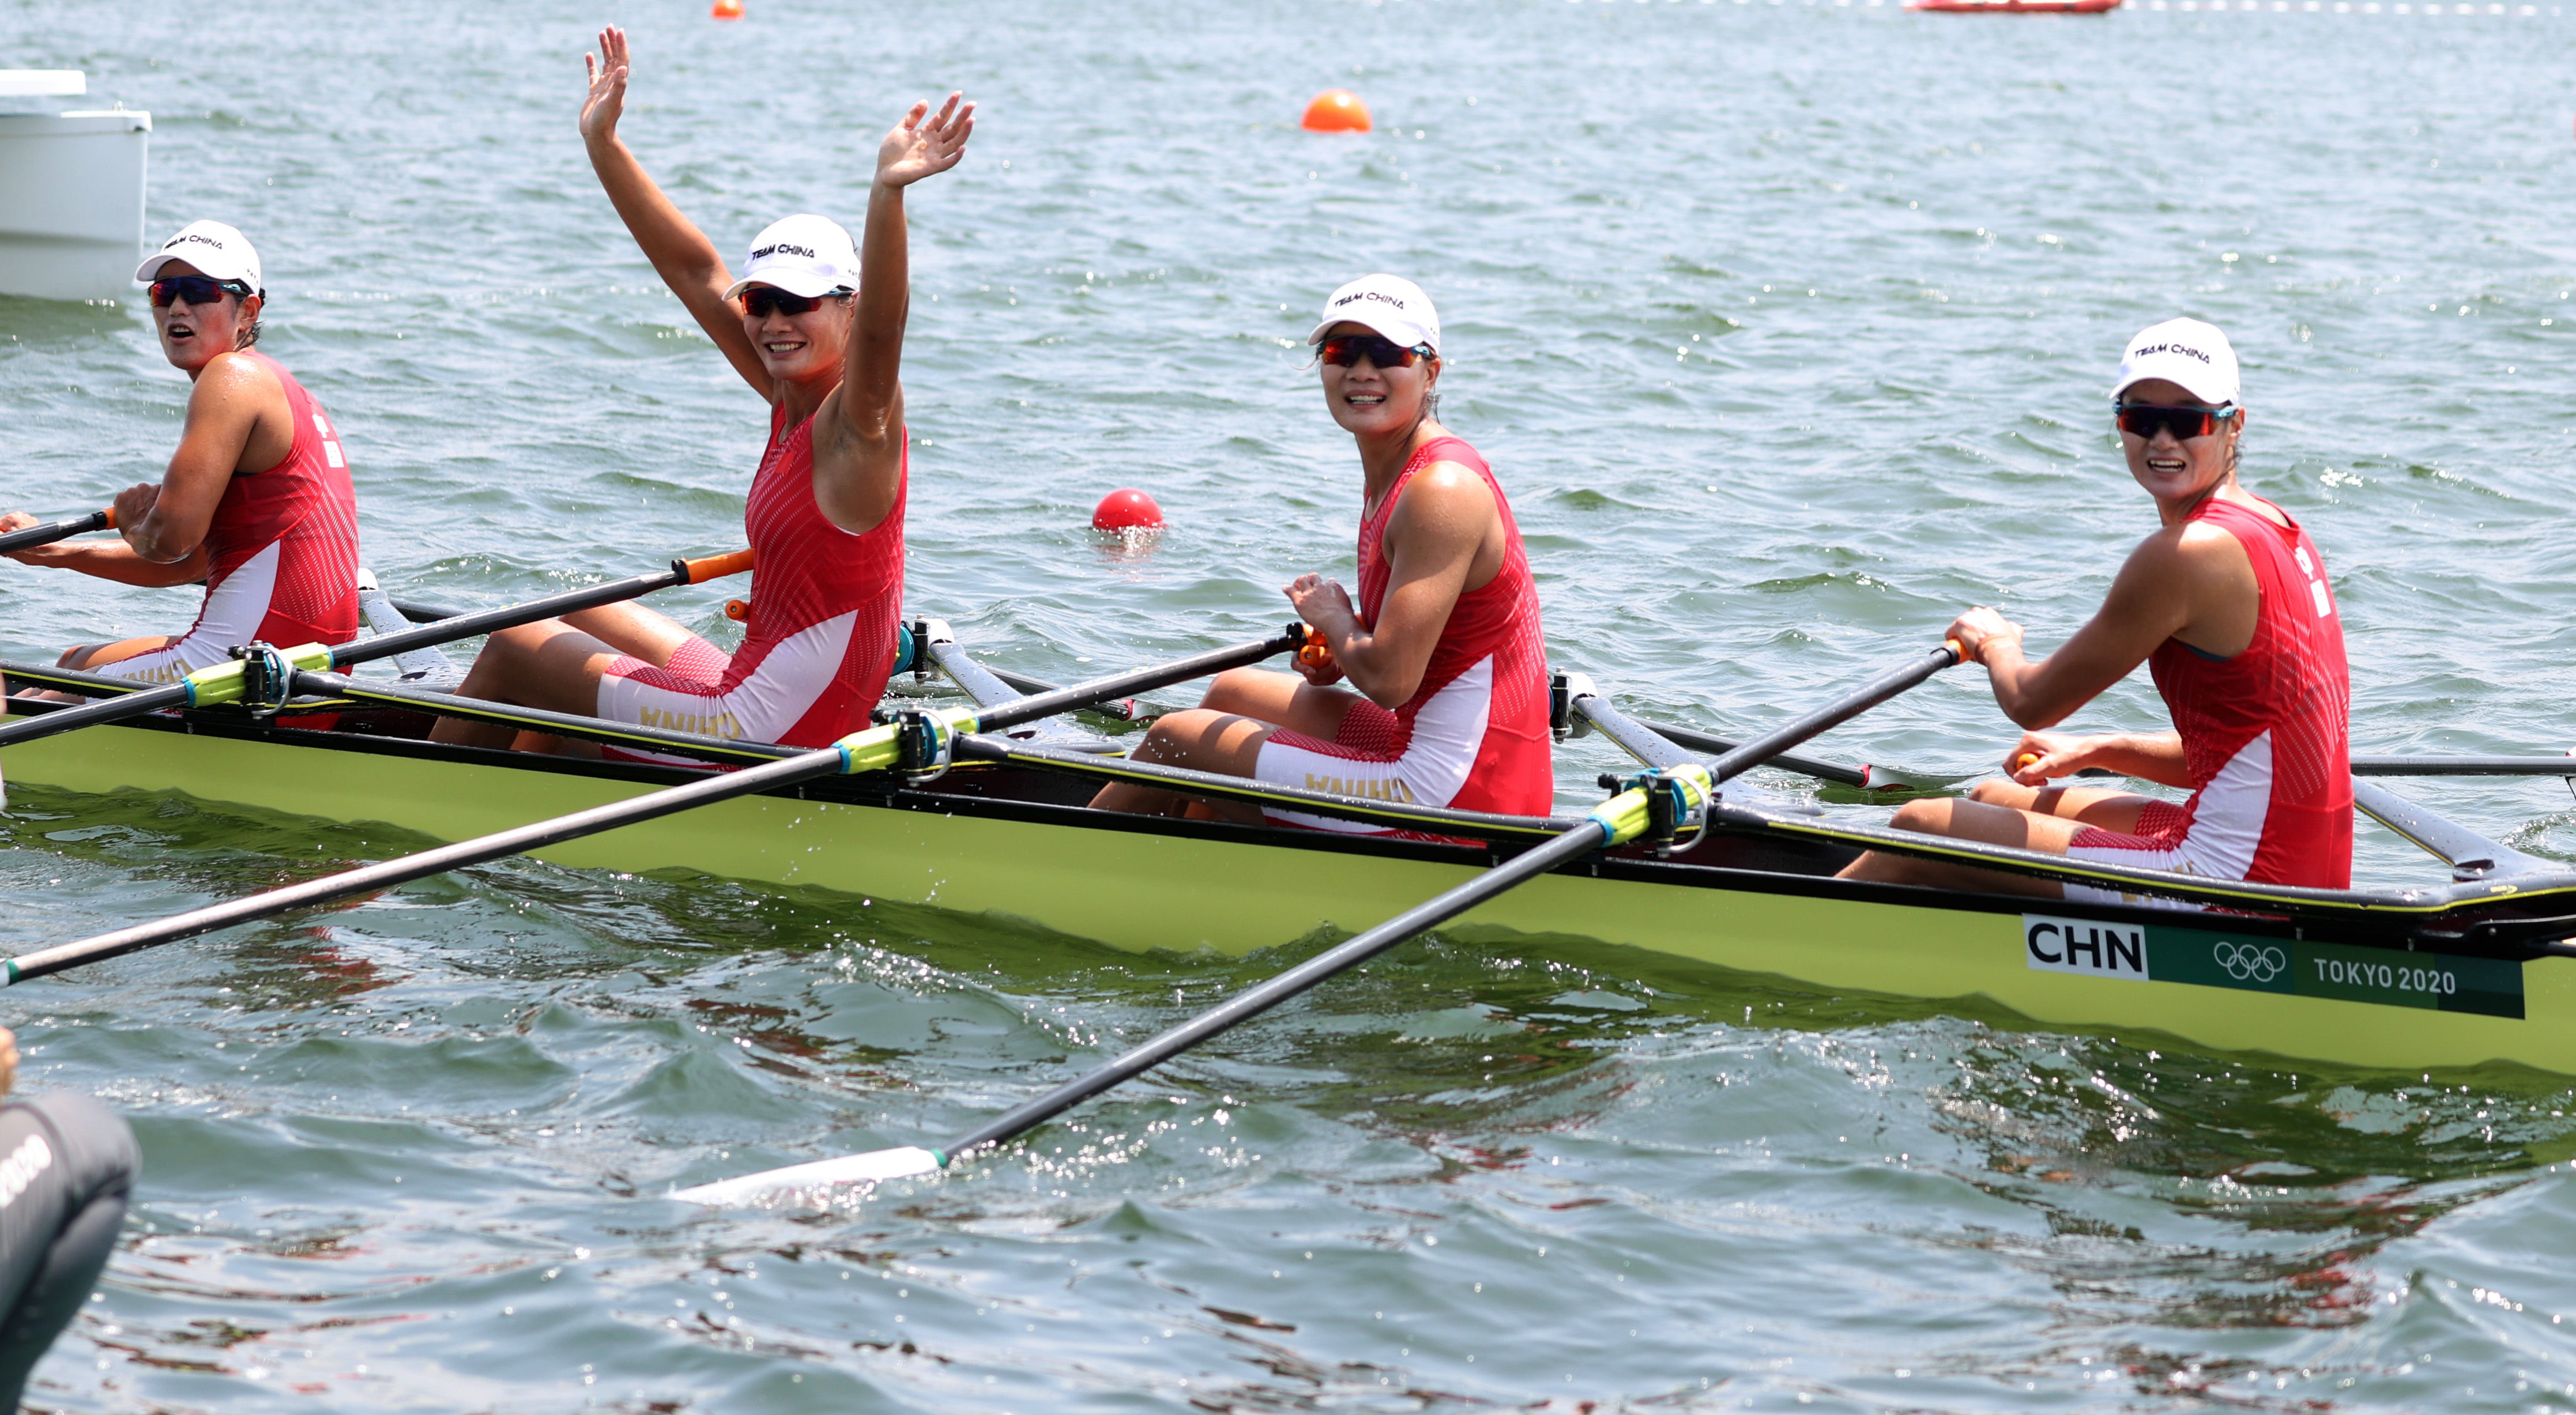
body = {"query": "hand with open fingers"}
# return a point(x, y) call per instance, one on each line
point(1978, 625)
point(8, 1061)
point(922, 146)
point(606, 101)
point(2041, 757)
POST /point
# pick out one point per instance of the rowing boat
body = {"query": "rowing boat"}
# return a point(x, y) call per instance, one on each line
point(2456, 974)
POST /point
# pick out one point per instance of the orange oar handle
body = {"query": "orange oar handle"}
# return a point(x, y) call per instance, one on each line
point(738, 610)
point(711, 567)
point(2023, 761)
point(108, 518)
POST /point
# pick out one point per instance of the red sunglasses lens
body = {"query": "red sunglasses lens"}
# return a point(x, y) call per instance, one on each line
point(1347, 349)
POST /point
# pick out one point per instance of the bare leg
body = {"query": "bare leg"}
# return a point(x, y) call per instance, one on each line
point(1224, 734)
point(97, 656)
point(548, 664)
point(2115, 811)
point(1979, 821)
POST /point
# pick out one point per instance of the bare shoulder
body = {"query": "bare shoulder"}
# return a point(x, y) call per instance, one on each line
point(233, 377)
point(1445, 491)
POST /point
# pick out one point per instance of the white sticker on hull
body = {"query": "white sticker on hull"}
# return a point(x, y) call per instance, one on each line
point(2088, 946)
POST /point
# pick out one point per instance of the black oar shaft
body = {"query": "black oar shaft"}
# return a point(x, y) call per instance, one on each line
point(53, 531)
point(465, 626)
point(1572, 845)
point(2464, 766)
point(1030, 709)
point(1789, 734)
point(365, 878)
point(485, 621)
point(804, 766)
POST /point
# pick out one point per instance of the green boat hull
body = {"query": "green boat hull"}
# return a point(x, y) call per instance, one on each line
point(1182, 886)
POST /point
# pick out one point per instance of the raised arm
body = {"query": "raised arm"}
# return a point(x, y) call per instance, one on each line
point(858, 440)
point(680, 252)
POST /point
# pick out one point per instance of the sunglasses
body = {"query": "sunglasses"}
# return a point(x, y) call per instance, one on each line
point(1343, 350)
point(2184, 421)
point(194, 290)
point(761, 301)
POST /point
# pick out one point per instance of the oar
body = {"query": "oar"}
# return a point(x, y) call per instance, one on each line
point(2464, 766)
point(919, 742)
point(1578, 698)
point(58, 530)
point(1660, 798)
point(230, 682)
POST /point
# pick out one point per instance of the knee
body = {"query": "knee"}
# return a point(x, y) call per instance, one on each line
point(1928, 817)
point(1234, 689)
point(77, 656)
point(1998, 793)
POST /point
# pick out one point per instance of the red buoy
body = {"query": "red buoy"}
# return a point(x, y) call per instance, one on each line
point(1336, 110)
point(1126, 509)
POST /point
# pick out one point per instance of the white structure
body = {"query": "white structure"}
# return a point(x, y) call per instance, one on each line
point(71, 193)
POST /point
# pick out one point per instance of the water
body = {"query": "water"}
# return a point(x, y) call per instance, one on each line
point(1788, 327)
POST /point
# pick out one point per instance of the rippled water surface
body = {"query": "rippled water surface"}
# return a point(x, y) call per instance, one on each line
point(1787, 326)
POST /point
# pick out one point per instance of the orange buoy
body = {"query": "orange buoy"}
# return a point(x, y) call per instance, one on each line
point(1126, 509)
point(727, 10)
point(1336, 110)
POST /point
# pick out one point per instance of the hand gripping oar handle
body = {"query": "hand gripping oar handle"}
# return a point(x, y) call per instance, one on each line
point(223, 683)
point(1622, 818)
point(877, 749)
point(58, 530)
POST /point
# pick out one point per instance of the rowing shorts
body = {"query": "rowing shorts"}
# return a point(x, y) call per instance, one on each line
point(694, 694)
point(66, 1165)
point(2162, 843)
point(1373, 756)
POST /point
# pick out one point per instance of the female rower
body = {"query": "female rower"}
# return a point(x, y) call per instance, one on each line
point(2227, 605)
point(257, 501)
point(816, 328)
point(1444, 645)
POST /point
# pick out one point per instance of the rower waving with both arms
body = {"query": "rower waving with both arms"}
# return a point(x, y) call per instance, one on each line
point(1444, 644)
point(2228, 606)
point(257, 501)
point(816, 328)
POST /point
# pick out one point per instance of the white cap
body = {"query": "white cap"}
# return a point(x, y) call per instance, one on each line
point(1389, 304)
point(803, 255)
point(211, 246)
point(2184, 351)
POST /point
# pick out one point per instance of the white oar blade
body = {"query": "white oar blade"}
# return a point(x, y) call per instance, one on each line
point(818, 1174)
point(1882, 778)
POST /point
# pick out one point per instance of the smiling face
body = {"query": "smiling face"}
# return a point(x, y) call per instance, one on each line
point(2178, 471)
point(797, 348)
point(1371, 401)
point(193, 335)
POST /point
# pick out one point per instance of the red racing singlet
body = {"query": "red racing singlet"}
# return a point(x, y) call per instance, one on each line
point(2266, 734)
point(290, 534)
point(825, 604)
point(1492, 630)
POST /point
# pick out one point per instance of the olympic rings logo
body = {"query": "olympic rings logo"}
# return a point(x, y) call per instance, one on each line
point(2248, 962)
